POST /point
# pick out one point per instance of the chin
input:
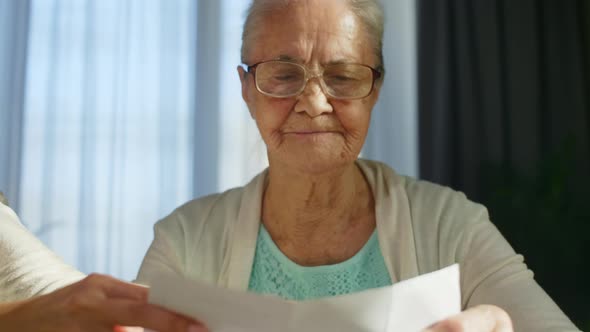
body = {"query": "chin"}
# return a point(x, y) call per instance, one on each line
point(313, 156)
point(318, 163)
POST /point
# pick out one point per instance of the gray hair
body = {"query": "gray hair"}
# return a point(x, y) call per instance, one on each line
point(369, 12)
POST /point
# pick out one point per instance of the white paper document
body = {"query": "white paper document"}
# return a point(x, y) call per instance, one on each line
point(407, 306)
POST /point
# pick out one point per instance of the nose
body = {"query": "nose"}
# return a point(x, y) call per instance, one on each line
point(313, 100)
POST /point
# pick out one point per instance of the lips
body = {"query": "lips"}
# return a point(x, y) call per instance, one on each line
point(309, 132)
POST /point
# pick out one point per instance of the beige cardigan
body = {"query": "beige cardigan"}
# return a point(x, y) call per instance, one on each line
point(422, 227)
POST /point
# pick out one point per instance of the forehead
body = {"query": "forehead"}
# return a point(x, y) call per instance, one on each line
point(321, 31)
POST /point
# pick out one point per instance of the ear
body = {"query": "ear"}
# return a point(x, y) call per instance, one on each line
point(243, 79)
point(245, 89)
point(376, 91)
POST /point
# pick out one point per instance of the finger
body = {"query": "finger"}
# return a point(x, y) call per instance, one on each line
point(115, 288)
point(121, 289)
point(119, 328)
point(133, 313)
point(484, 318)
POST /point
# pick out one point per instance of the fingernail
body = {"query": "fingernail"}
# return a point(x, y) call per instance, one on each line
point(197, 328)
point(431, 328)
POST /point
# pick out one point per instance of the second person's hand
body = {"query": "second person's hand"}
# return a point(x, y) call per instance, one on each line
point(96, 303)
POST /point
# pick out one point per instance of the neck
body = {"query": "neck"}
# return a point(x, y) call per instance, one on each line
point(298, 205)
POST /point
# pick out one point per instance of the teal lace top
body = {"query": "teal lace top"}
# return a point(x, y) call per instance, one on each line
point(274, 273)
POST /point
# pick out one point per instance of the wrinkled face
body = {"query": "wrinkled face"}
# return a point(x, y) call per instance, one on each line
point(311, 132)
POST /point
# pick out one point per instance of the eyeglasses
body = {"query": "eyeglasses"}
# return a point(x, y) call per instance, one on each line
point(283, 79)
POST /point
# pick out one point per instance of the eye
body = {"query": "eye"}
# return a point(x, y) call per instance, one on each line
point(286, 77)
point(343, 78)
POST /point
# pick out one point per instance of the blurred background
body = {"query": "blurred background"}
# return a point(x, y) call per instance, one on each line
point(114, 112)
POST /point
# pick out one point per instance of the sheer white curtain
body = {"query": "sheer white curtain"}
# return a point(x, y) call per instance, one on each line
point(228, 147)
point(108, 126)
point(130, 108)
point(244, 152)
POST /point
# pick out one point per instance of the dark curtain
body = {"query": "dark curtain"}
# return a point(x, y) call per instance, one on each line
point(504, 115)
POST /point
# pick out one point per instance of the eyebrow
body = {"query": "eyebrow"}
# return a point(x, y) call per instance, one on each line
point(342, 61)
point(285, 57)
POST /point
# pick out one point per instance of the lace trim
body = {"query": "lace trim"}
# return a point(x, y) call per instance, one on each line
point(274, 273)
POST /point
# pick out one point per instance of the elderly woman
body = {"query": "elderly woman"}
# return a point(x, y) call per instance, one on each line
point(320, 222)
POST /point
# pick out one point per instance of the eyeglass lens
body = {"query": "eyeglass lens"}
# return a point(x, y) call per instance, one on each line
point(284, 79)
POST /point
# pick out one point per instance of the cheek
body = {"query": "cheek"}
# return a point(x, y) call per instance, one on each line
point(354, 118)
point(271, 114)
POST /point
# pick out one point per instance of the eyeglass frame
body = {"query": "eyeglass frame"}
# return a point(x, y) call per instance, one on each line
point(251, 69)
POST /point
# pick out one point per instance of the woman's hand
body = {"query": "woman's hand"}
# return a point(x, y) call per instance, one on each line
point(482, 318)
point(96, 303)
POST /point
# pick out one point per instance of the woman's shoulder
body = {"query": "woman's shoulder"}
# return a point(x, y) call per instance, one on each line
point(210, 212)
point(442, 201)
point(425, 199)
point(195, 237)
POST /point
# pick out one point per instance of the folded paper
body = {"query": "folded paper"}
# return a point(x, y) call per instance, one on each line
point(410, 305)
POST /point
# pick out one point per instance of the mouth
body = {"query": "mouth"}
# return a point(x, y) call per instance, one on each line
point(309, 133)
